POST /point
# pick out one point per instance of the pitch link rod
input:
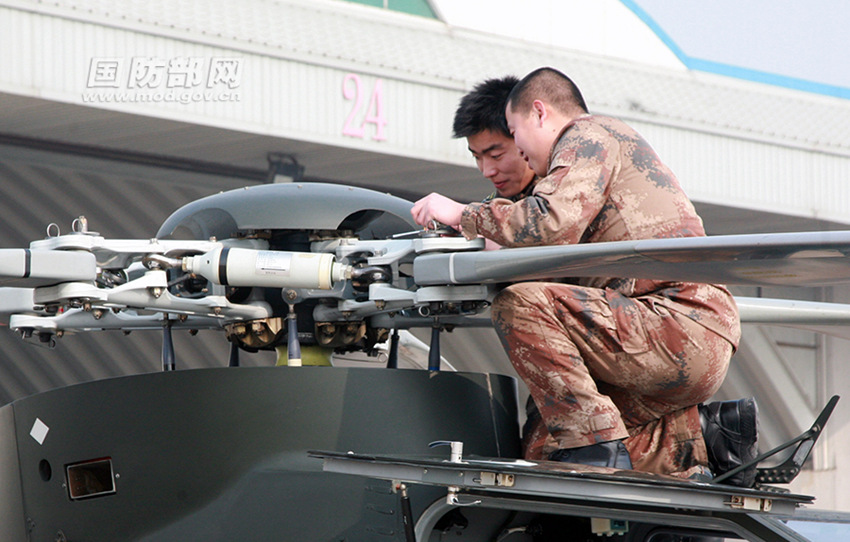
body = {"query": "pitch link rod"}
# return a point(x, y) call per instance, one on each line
point(158, 261)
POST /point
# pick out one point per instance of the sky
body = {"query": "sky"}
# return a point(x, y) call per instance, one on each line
point(804, 40)
point(790, 43)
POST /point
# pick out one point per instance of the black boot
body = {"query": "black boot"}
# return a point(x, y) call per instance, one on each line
point(604, 454)
point(730, 431)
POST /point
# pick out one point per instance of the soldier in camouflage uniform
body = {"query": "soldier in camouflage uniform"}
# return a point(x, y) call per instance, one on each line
point(607, 360)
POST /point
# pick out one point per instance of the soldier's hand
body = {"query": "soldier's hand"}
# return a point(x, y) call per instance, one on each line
point(437, 207)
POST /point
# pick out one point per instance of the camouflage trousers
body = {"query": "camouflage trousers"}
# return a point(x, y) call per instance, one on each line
point(601, 366)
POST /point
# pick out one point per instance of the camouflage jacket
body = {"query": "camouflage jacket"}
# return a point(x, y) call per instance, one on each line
point(605, 183)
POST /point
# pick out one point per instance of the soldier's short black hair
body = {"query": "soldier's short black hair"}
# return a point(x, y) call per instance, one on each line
point(547, 84)
point(484, 108)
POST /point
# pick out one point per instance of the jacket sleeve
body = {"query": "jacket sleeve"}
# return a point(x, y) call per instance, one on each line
point(563, 204)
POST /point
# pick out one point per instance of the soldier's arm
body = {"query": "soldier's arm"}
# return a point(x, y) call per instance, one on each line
point(563, 204)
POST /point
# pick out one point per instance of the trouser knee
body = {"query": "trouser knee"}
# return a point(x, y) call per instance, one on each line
point(505, 306)
point(513, 296)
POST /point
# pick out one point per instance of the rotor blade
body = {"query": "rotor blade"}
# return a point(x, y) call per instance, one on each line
point(13, 301)
point(759, 310)
point(25, 268)
point(827, 318)
point(806, 258)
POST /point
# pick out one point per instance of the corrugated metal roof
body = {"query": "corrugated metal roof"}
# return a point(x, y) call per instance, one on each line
point(410, 48)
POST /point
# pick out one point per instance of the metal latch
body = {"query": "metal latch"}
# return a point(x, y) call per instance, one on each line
point(608, 527)
point(751, 503)
point(497, 479)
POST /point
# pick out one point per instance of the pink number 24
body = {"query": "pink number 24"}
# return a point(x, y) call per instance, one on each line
point(374, 113)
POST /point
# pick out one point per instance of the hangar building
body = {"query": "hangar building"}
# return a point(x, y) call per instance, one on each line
point(123, 111)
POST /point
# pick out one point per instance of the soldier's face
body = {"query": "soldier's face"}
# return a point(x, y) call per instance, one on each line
point(530, 139)
point(499, 160)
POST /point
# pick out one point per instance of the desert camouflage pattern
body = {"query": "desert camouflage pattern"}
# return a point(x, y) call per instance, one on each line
point(602, 366)
point(610, 358)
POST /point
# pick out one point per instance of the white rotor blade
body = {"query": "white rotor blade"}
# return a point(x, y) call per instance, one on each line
point(14, 301)
point(26, 268)
point(759, 310)
point(820, 317)
point(804, 258)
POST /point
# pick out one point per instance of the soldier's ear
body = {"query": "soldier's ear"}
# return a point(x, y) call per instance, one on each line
point(540, 112)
